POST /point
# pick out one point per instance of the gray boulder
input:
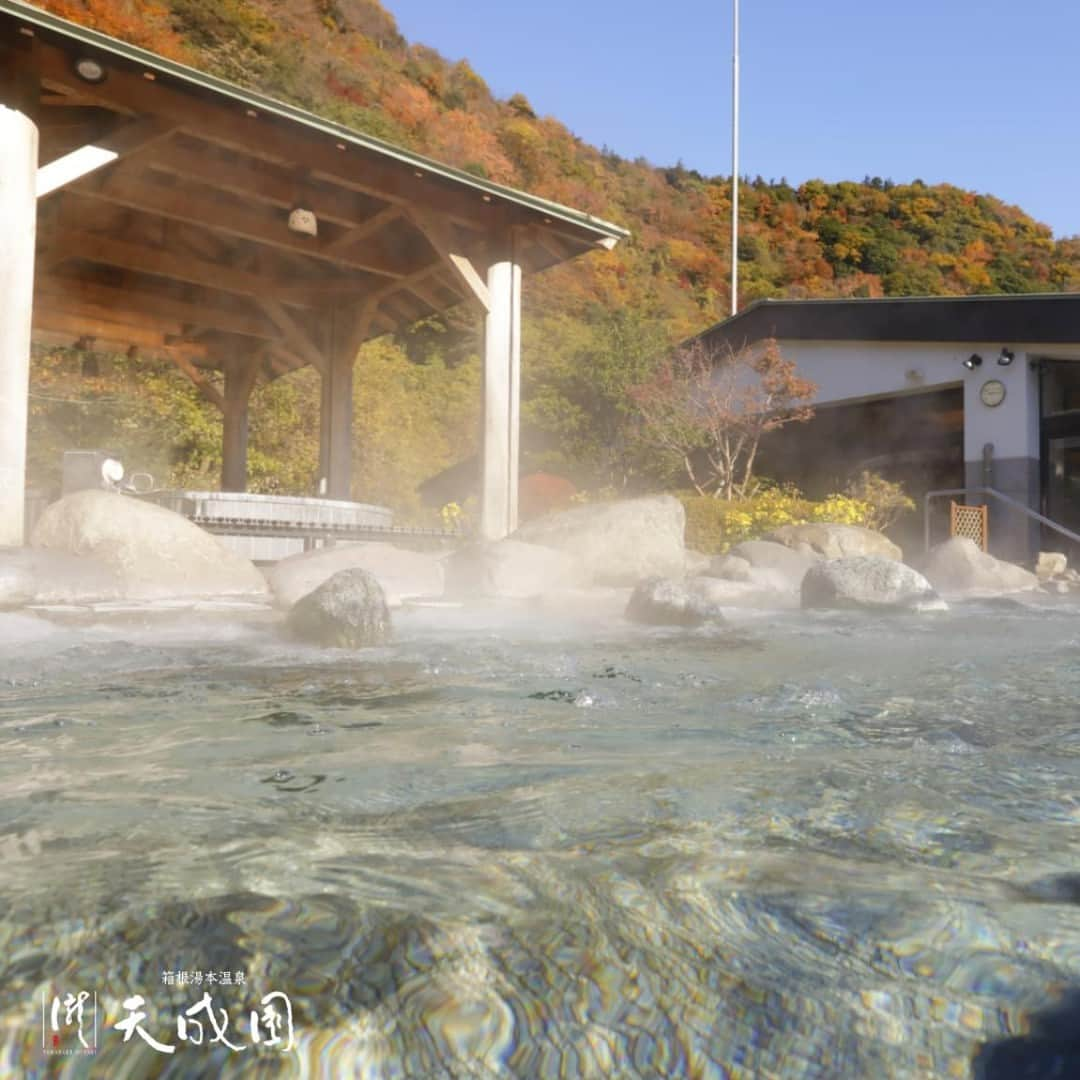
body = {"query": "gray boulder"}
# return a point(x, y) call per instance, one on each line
point(696, 562)
point(34, 576)
point(758, 588)
point(1050, 564)
point(790, 563)
point(154, 553)
point(729, 567)
point(836, 541)
point(511, 570)
point(665, 602)
point(403, 574)
point(959, 566)
point(618, 543)
point(348, 611)
point(869, 582)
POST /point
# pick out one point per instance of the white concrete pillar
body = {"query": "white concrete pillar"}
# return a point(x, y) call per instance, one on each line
point(18, 224)
point(1012, 427)
point(502, 400)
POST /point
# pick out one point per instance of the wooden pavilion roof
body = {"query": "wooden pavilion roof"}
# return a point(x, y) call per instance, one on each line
point(181, 245)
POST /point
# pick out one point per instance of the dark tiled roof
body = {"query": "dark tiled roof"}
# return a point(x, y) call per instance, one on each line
point(1031, 318)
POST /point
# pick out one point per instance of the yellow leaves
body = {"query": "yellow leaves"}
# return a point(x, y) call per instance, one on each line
point(715, 525)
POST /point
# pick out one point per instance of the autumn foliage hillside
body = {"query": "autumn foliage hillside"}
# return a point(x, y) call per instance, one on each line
point(592, 324)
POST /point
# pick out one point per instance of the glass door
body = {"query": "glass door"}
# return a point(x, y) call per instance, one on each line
point(1063, 481)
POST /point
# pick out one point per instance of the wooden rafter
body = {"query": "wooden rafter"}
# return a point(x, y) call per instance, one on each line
point(164, 263)
point(198, 377)
point(348, 239)
point(123, 187)
point(244, 130)
point(295, 335)
point(256, 180)
point(441, 238)
point(121, 142)
point(130, 300)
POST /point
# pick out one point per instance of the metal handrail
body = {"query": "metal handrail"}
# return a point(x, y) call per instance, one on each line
point(1007, 500)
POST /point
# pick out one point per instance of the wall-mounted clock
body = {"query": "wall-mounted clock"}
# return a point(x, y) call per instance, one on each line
point(992, 392)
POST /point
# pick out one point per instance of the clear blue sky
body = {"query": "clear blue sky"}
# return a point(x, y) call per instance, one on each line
point(984, 94)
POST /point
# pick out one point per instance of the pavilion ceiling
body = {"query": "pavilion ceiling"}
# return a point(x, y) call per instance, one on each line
point(182, 246)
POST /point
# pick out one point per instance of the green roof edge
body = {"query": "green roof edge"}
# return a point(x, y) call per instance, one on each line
point(94, 39)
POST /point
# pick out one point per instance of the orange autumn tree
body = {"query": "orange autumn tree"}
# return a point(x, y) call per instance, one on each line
point(706, 409)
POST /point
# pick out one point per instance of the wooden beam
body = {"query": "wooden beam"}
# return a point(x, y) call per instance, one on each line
point(130, 300)
point(80, 323)
point(233, 125)
point(206, 388)
point(346, 240)
point(551, 242)
point(158, 262)
point(257, 180)
point(440, 236)
point(125, 316)
point(104, 150)
point(122, 188)
point(296, 336)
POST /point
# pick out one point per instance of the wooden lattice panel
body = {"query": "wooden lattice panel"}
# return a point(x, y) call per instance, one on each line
point(970, 521)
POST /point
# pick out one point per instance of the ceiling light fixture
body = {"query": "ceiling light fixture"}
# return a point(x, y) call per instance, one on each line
point(90, 70)
point(1007, 357)
point(303, 221)
point(973, 361)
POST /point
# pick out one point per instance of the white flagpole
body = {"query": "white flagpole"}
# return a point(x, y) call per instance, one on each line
point(735, 161)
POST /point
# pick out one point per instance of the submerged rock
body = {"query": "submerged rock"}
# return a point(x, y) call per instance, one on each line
point(403, 574)
point(666, 602)
point(617, 543)
point(959, 565)
point(869, 582)
point(154, 553)
point(836, 541)
point(32, 576)
point(511, 570)
point(347, 612)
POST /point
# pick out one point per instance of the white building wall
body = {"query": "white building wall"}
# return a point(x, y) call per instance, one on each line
point(852, 371)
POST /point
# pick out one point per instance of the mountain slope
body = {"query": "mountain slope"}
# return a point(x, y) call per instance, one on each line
point(592, 325)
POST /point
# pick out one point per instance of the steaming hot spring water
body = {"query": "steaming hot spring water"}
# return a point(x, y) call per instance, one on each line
point(805, 845)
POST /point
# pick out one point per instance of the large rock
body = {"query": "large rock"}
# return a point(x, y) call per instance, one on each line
point(729, 567)
point(758, 588)
point(1050, 564)
point(871, 582)
point(34, 576)
point(836, 541)
point(618, 543)
point(347, 612)
point(403, 574)
point(154, 552)
point(511, 569)
point(960, 566)
point(666, 602)
point(789, 563)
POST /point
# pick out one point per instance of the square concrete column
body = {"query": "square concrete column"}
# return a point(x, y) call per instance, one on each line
point(18, 225)
point(502, 400)
point(1011, 428)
